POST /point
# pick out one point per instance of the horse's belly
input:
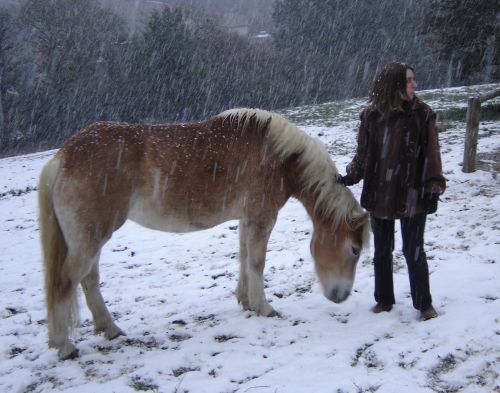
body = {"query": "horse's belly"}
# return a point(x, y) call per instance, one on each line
point(177, 221)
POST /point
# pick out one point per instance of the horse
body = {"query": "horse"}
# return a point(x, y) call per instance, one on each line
point(243, 164)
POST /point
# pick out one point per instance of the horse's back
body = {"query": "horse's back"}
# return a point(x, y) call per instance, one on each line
point(202, 174)
point(173, 177)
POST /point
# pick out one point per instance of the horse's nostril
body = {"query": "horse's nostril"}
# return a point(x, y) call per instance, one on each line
point(334, 296)
point(338, 295)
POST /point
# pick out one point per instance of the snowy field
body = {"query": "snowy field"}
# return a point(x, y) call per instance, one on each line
point(173, 296)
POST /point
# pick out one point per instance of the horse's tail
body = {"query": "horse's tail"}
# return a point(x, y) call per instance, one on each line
point(54, 247)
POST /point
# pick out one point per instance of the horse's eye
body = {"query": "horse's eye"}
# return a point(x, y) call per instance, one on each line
point(355, 250)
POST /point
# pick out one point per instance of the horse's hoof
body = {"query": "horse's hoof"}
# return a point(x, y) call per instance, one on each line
point(269, 312)
point(243, 301)
point(113, 333)
point(273, 314)
point(72, 354)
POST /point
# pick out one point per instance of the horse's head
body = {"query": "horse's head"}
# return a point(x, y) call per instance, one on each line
point(336, 250)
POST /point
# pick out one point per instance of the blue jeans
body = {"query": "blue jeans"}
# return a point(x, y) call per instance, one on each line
point(412, 231)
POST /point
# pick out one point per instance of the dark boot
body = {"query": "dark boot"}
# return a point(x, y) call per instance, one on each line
point(381, 307)
point(428, 313)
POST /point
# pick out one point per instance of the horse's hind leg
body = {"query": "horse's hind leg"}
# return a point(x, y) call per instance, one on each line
point(63, 314)
point(60, 320)
point(254, 236)
point(102, 319)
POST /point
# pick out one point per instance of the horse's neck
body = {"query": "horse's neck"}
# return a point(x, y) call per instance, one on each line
point(309, 200)
point(299, 190)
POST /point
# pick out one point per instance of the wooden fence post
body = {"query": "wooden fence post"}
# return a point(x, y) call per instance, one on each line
point(472, 130)
point(471, 135)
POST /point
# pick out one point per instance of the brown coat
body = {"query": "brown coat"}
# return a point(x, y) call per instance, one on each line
point(399, 161)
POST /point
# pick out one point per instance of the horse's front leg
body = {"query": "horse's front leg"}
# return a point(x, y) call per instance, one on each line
point(254, 236)
point(242, 288)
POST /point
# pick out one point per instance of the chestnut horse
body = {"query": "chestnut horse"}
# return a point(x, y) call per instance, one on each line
point(241, 164)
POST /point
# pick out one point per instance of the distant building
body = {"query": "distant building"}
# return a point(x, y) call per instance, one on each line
point(236, 23)
point(263, 36)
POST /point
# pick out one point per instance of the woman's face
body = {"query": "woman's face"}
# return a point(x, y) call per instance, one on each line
point(411, 85)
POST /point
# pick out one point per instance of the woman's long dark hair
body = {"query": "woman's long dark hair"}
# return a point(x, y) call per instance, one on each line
point(389, 90)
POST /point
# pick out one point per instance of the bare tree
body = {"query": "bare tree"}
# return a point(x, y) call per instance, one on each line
point(72, 42)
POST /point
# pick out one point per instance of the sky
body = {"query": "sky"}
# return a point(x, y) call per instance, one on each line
point(173, 294)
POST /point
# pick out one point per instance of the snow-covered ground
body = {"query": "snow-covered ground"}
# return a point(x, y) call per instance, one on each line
point(173, 295)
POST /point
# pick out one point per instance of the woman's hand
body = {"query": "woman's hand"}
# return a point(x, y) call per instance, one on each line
point(345, 180)
point(430, 202)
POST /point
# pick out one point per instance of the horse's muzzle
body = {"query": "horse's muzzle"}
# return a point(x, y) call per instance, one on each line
point(338, 297)
point(340, 291)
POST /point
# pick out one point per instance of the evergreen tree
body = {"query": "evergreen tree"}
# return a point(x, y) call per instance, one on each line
point(163, 74)
point(239, 73)
point(341, 45)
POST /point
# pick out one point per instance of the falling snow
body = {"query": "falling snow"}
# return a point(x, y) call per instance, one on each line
point(173, 295)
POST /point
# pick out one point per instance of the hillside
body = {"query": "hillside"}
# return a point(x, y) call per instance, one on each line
point(173, 293)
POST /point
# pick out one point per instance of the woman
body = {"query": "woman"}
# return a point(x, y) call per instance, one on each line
point(399, 160)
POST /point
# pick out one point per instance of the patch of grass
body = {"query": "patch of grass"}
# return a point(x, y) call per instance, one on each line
point(18, 192)
point(406, 364)
point(444, 365)
point(451, 114)
point(369, 389)
point(51, 381)
point(490, 111)
point(148, 343)
point(449, 104)
point(327, 114)
point(179, 337)
point(143, 384)
point(446, 125)
point(223, 338)
point(369, 357)
point(183, 370)
point(14, 351)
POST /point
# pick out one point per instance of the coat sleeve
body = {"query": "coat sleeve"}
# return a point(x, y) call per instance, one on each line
point(355, 170)
point(434, 181)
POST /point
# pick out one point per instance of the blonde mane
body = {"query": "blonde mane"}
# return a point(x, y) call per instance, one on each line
point(319, 171)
